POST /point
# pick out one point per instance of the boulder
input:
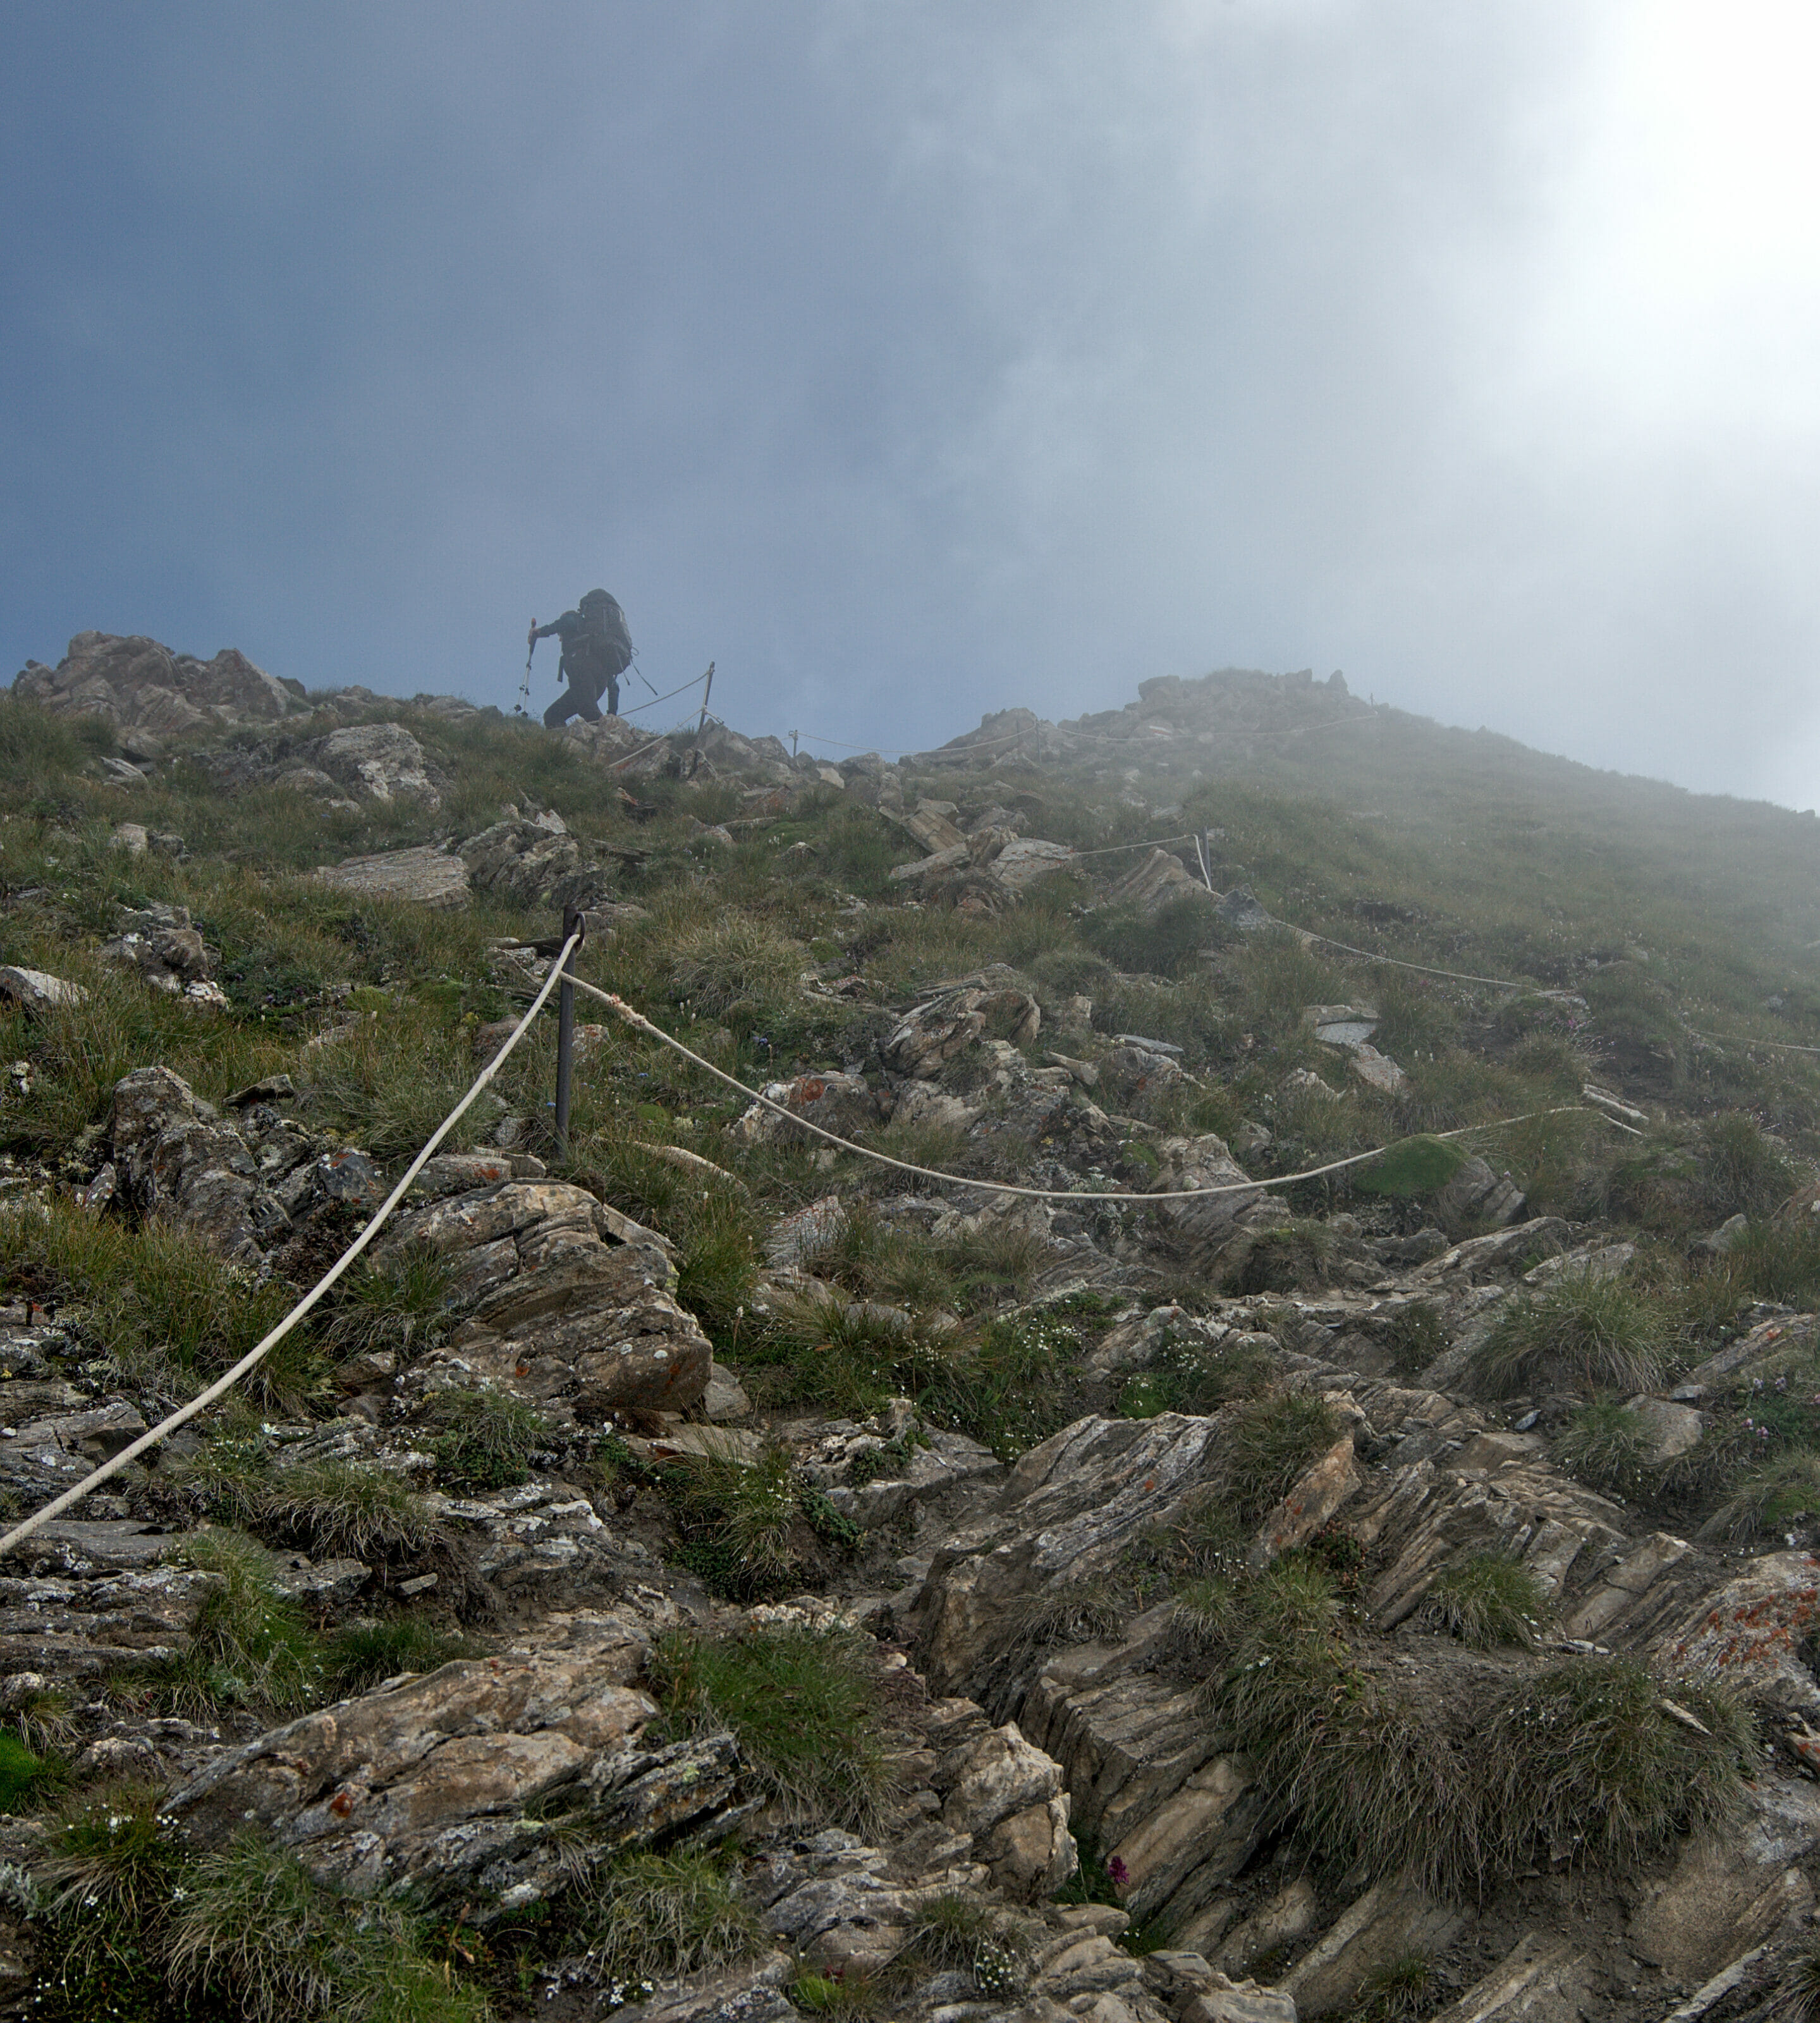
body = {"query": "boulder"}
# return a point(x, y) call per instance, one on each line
point(526, 864)
point(1025, 859)
point(38, 990)
point(565, 1313)
point(1006, 1795)
point(1477, 1199)
point(841, 1103)
point(155, 695)
point(1155, 882)
point(383, 761)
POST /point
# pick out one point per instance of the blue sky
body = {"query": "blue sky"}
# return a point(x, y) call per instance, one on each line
point(910, 361)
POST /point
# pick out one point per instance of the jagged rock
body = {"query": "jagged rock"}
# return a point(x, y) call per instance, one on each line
point(383, 761)
point(1544, 1978)
point(1375, 1070)
point(428, 874)
point(1067, 1510)
point(946, 1025)
point(1218, 1229)
point(841, 1103)
point(1025, 860)
point(1199, 1993)
point(926, 868)
point(1155, 882)
point(566, 1313)
point(940, 1462)
point(528, 864)
point(1006, 1795)
point(1603, 1260)
point(38, 990)
point(159, 943)
point(922, 1103)
point(145, 690)
point(1304, 1082)
point(750, 1992)
point(931, 823)
point(1285, 1916)
point(1477, 1197)
point(427, 1784)
point(1319, 1492)
point(178, 1161)
point(1239, 908)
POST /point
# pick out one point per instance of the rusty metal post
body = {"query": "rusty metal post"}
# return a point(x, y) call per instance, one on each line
point(572, 923)
point(701, 722)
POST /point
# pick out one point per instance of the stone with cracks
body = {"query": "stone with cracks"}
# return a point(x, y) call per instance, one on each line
point(383, 761)
point(526, 864)
point(428, 874)
point(565, 1314)
point(428, 1782)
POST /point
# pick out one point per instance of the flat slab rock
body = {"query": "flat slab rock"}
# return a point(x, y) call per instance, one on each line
point(429, 874)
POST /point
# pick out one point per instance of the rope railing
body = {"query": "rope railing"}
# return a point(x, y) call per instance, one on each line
point(254, 1356)
point(639, 1022)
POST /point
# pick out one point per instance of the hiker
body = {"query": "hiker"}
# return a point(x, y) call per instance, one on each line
point(597, 649)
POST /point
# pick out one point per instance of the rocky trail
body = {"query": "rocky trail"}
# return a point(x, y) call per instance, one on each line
point(716, 1576)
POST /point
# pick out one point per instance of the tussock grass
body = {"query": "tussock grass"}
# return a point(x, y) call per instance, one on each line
point(1471, 1778)
point(249, 1645)
point(650, 1916)
point(1772, 1500)
point(1589, 1757)
point(743, 1525)
point(160, 1301)
point(400, 1303)
point(1606, 1446)
point(339, 1507)
point(258, 1929)
point(804, 1705)
point(1600, 1334)
point(484, 1439)
point(329, 1507)
point(363, 1655)
point(1266, 1442)
point(1485, 1600)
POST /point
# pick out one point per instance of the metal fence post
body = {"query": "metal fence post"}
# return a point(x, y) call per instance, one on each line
point(572, 922)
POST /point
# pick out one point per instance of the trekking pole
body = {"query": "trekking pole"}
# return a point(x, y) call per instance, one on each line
point(575, 922)
point(695, 749)
point(519, 709)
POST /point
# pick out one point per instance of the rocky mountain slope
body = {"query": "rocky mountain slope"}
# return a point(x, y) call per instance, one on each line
point(726, 1568)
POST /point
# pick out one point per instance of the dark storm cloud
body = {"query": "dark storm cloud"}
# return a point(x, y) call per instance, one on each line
point(908, 361)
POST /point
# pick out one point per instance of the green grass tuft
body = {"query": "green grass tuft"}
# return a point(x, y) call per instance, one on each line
point(804, 1705)
point(1598, 1333)
point(1485, 1600)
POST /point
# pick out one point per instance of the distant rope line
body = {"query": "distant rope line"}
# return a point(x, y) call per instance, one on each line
point(1732, 1039)
point(22, 1531)
point(665, 697)
point(644, 1024)
point(1397, 962)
